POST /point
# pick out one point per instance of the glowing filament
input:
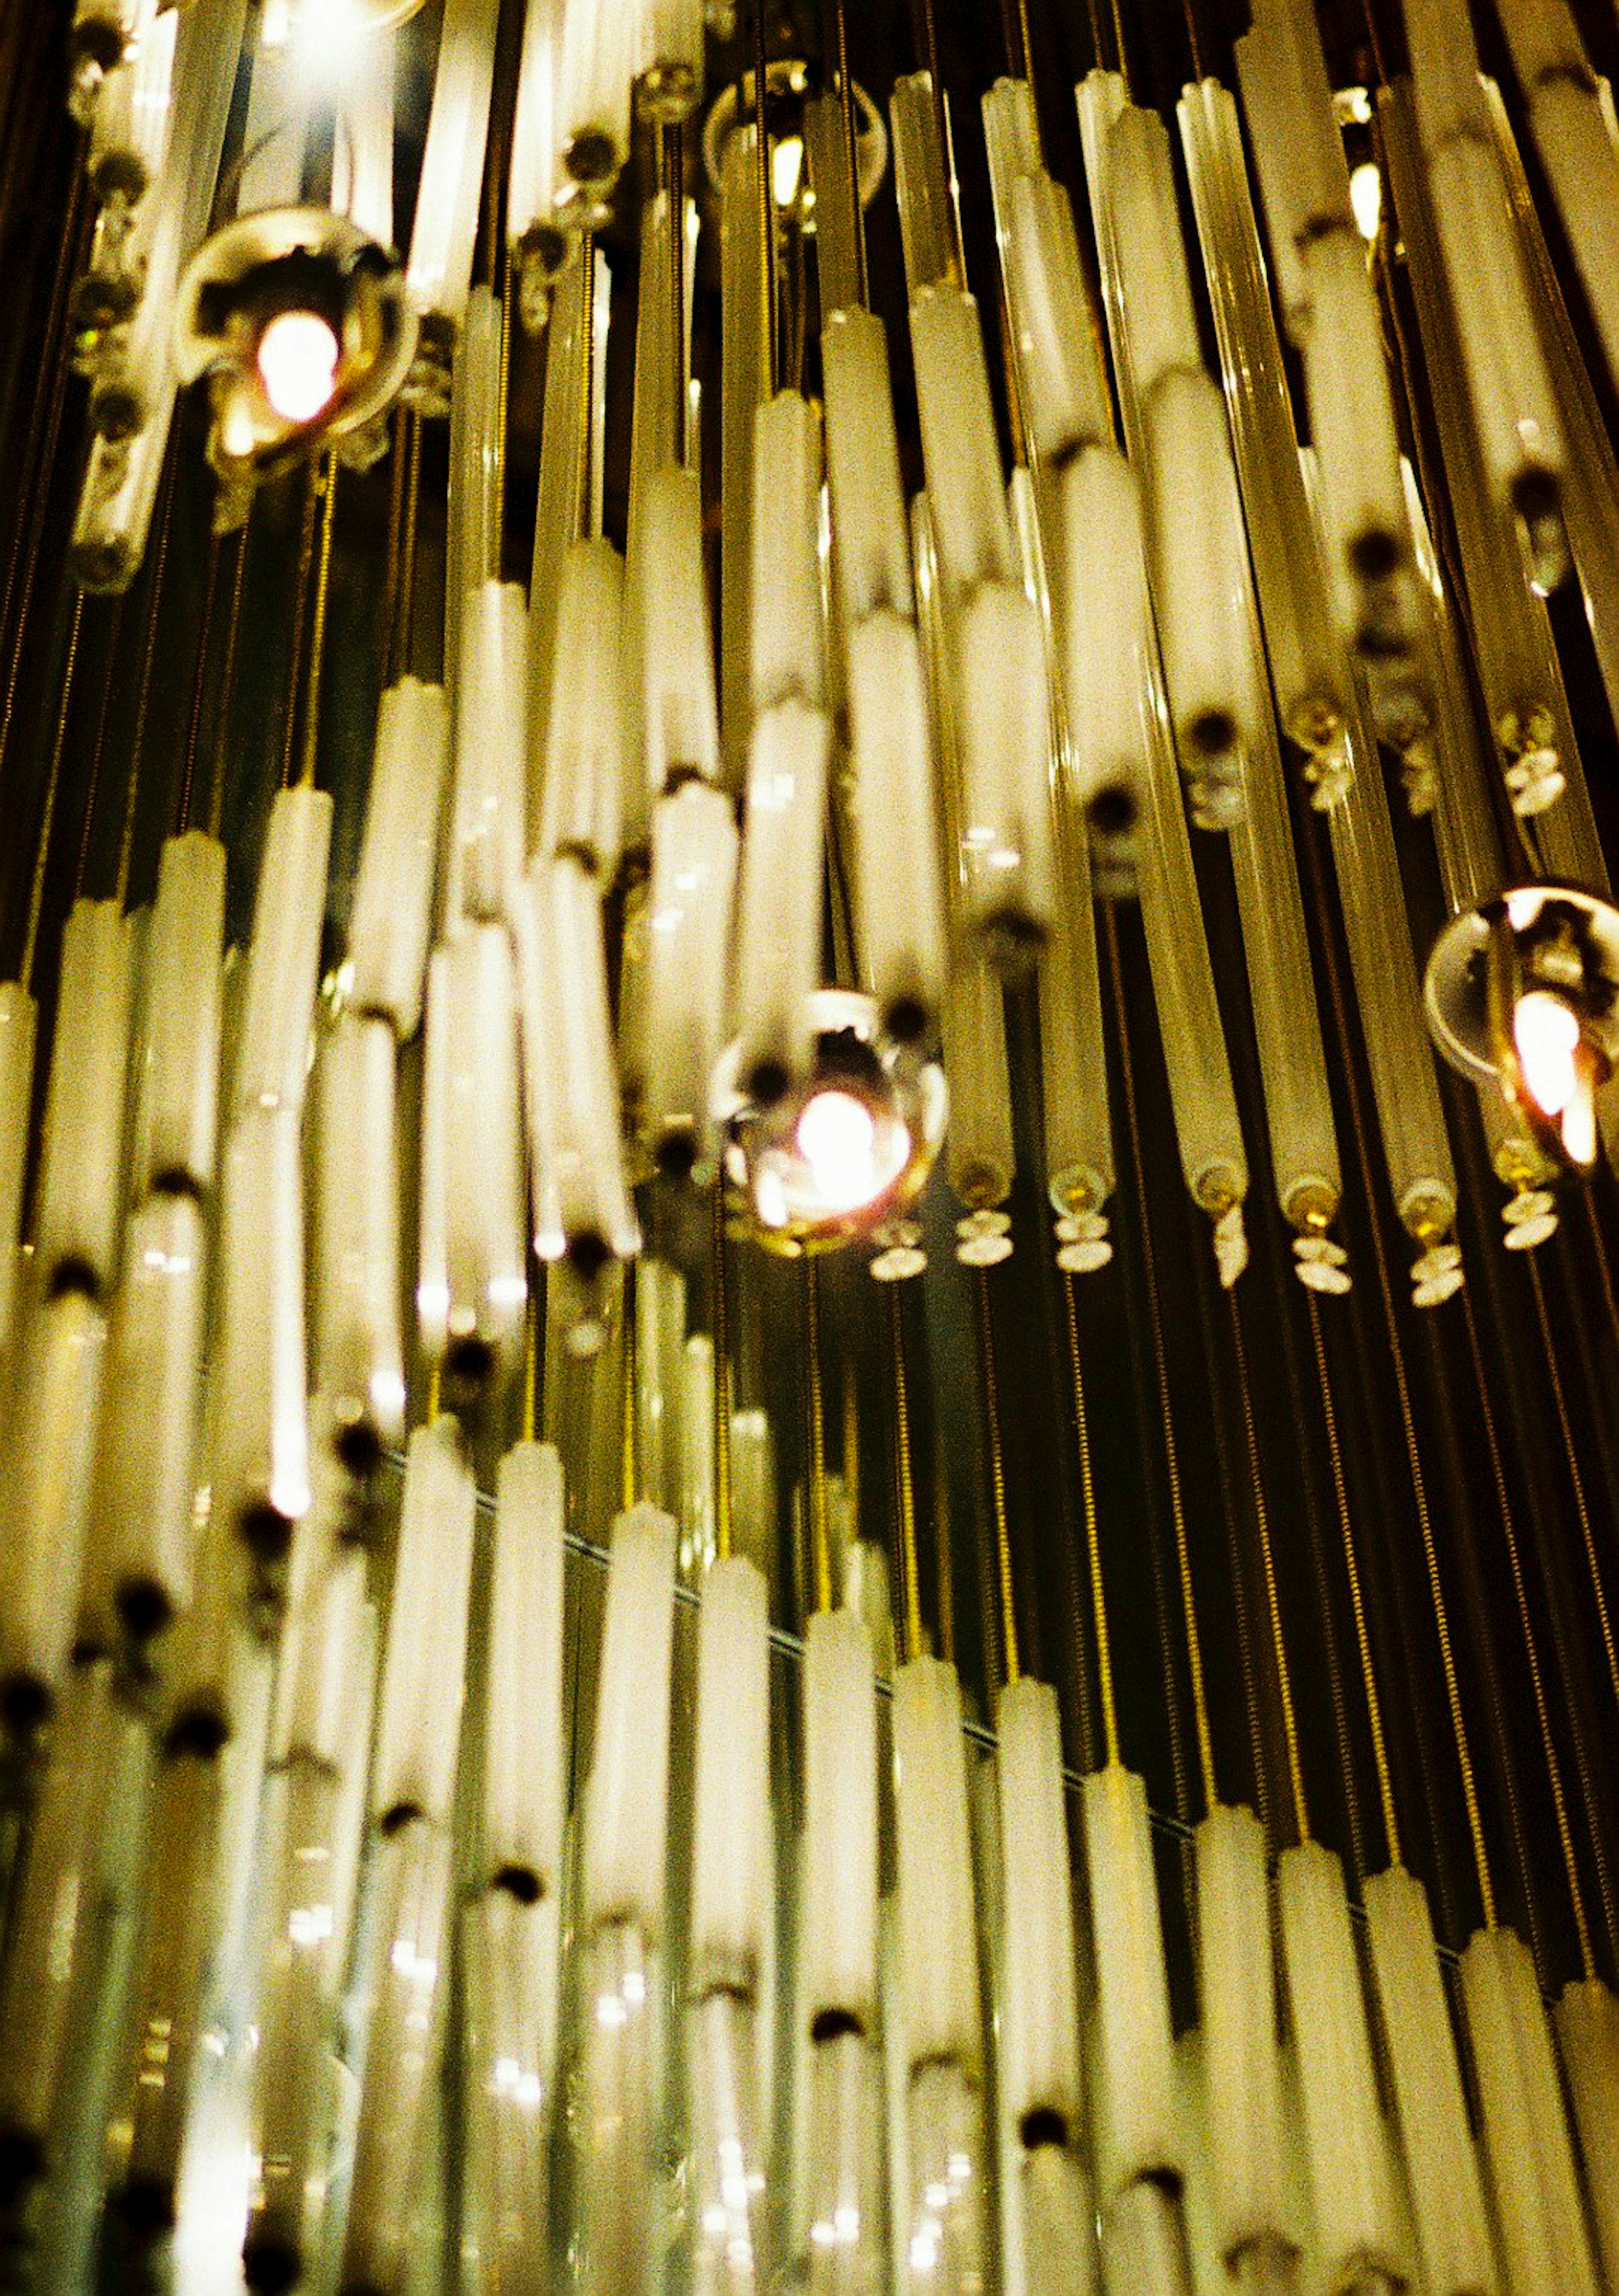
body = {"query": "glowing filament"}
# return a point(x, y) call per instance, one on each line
point(838, 1140)
point(1547, 1034)
point(297, 364)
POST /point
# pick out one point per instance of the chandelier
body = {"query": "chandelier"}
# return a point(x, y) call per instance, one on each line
point(788, 1500)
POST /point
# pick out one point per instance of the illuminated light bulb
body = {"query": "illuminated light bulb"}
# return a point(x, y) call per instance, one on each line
point(1546, 1032)
point(837, 1156)
point(787, 169)
point(297, 364)
point(838, 1138)
point(1579, 1112)
point(1366, 197)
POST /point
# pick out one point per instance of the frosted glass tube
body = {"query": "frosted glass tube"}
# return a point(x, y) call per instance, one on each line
point(139, 1567)
point(133, 391)
point(966, 494)
point(1143, 2241)
point(1237, 1995)
point(1587, 2021)
point(177, 1081)
point(582, 792)
point(1466, 839)
point(1270, 110)
point(129, 128)
point(1441, 2160)
point(571, 1081)
point(438, 272)
point(359, 1366)
point(840, 1921)
point(660, 1331)
point(1005, 731)
point(844, 2161)
point(927, 218)
point(46, 1501)
point(899, 896)
point(1516, 661)
point(1137, 2107)
point(681, 734)
point(1518, 428)
point(525, 1750)
point(491, 763)
point(272, 1064)
point(731, 1859)
point(19, 1023)
point(1011, 143)
point(777, 958)
point(1058, 2218)
point(1072, 1068)
point(1357, 2229)
point(695, 1510)
point(1287, 1025)
point(1575, 149)
point(1161, 327)
point(730, 2204)
point(1292, 130)
point(621, 2074)
point(294, 2068)
point(473, 1286)
point(1411, 1117)
point(408, 1969)
point(937, 1916)
point(1062, 375)
point(1207, 1128)
point(979, 1146)
point(694, 862)
point(54, 1916)
point(785, 559)
point(627, 1793)
point(1199, 583)
point(669, 61)
point(363, 156)
point(391, 910)
point(476, 481)
point(560, 512)
point(944, 2231)
point(419, 1721)
point(1352, 424)
point(598, 66)
point(1591, 487)
point(98, 34)
point(743, 385)
point(1537, 2211)
point(81, 1164)
point(1305, 660)
point(1039, 2059)
point(870, 536)
point(257, 1386)
point(512, 1983)
point(276, 133)
point(171, 1978)
point(1107, 636)
point(322, 1683)
point(116, 501)
point(532, 229)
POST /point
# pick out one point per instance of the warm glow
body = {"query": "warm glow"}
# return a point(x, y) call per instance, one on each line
point(786, 169)
point(297, 364)
point(838, 1140)
point(1366, 197)
point(1547, 1034)
point(1580, 1122)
